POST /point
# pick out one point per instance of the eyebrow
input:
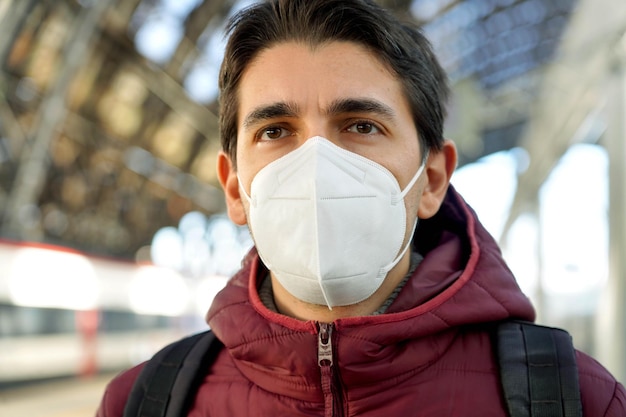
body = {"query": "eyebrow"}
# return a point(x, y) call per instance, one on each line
point(360, 105)
point(270, 111)
point(337, 107)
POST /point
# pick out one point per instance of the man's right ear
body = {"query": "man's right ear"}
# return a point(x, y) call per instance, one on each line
point(227, 176)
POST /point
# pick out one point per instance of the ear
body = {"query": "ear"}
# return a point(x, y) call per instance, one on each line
point(439, 168)
point(227, 176)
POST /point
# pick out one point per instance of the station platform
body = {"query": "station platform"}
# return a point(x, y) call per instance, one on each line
point(76, 397)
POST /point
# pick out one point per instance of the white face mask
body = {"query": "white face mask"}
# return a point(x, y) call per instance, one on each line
point(328, 223)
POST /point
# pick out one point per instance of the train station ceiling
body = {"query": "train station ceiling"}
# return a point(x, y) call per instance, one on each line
point(108, 128)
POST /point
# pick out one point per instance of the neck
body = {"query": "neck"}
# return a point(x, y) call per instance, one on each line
point(291, 306)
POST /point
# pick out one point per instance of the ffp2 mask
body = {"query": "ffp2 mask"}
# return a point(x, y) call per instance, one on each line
point(328, 223)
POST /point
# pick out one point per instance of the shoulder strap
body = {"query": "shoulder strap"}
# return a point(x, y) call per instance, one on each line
point(166, 385)
point(538, 370)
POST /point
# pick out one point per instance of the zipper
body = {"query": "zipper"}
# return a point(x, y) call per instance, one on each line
point(325, 347)
point(331, 388)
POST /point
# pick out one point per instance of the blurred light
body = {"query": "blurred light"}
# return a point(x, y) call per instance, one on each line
point(201, 83)
point(180, 8)
point(522, 251)
point(574, 222)
point(193, 224)
point(158, 291)
point(571, 231)
point(158, 37)
point(221, 229)
point(489, 186)
point(207, 290)
point(201, 246)
point(47, 278)
point(167, 248)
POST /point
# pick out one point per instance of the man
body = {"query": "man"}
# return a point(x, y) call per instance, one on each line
point(374, 283)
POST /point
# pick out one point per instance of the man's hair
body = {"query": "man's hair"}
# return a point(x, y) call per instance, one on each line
point(399, 45)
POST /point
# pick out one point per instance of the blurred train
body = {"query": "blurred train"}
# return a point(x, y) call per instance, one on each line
point(66, 313)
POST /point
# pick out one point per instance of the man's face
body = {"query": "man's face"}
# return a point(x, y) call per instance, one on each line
point(341, 91)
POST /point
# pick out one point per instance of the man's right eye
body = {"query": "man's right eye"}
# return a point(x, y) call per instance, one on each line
point(272, 133)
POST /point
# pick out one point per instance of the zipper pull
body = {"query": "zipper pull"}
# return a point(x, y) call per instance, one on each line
point(324, 346)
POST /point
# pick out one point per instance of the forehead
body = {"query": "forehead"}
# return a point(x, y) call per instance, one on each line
point(297, 71)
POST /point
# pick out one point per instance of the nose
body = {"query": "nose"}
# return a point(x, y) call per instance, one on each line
point(318, 122)
point(325, 132)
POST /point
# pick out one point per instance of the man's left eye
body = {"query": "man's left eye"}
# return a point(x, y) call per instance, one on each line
point(363, 128)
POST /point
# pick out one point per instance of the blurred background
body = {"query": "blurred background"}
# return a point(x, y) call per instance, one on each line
point(113, 237)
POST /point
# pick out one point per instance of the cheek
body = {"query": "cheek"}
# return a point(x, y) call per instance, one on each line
point(412, 200)
point(411, 204)
point(246, 169)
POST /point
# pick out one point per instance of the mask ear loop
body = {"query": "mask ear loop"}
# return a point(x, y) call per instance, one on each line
point(411, 183)
point(243, 191)
point(385, 269)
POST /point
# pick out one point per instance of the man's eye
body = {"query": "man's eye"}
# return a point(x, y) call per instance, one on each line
point(364, 128)
point(273, 133)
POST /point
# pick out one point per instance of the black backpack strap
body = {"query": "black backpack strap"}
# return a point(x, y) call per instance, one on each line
point(167, 384)
point(538, 370)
